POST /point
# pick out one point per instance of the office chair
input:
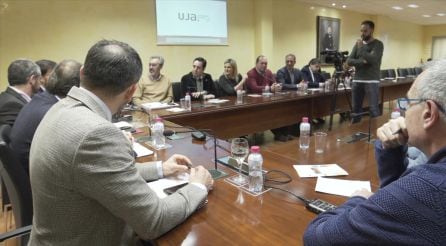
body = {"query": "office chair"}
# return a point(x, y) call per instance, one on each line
point(418, 70)
point(402, 72)
point(391, 73)
point(18, 187)
point(411, 72)
point(383, 74)
point(176, 88)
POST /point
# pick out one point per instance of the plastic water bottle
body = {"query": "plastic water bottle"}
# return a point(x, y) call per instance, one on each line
point(304, 139)
point(255, 161)
point(188, 102)
point(267, 89)
point(159, 140)
point(395, 114)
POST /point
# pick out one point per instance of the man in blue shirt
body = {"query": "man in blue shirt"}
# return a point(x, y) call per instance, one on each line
point(410, 206)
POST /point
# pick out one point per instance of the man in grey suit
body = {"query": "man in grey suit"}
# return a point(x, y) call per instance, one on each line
point(86, 187)
point(24, 82)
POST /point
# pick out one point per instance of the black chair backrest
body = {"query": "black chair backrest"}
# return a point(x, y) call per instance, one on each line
point(176, 88)
point(391, 73)
point(16, 181)
point(383, 74)
point(418, 70)
point(402, 72)
point(410, 71)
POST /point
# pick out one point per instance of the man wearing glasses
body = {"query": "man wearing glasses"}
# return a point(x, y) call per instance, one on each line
point(410, 206)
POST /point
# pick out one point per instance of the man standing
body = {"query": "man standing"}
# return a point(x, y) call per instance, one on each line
point(198, 83)
point(288, 76)
point(46, 68)
point(366, 58)
point(260, 76)
point(65, 76)
point(86, 187)
point(410, 206)
point(156, 87)
point(23, 77)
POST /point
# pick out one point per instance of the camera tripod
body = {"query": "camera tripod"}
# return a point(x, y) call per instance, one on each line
point(338, 80)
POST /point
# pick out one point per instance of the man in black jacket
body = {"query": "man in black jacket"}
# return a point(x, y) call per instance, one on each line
point(198, 83)
point(24, 82)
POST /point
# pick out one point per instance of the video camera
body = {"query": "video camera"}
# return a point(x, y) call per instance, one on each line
point(336, 57)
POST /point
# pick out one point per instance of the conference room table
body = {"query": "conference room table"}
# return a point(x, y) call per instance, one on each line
point(234, 217)
point(259, 113)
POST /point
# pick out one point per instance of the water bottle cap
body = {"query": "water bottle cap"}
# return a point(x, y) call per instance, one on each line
point(255, 149)
point(396, 110)
point(305, 119)
point(159, 119)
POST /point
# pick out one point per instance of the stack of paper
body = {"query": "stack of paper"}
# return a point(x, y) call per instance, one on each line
point(141, 150)
point(157, 105)
point(161, 184)
point(319, 170)
point(123, 125)
point(341, 187)
point(215, 100)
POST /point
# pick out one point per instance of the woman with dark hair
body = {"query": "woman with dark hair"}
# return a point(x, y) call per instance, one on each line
point(230, 81)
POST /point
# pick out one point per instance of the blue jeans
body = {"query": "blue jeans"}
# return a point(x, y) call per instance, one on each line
point(359, 90)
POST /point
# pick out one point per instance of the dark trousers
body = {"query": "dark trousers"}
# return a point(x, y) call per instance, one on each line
point(359, 90)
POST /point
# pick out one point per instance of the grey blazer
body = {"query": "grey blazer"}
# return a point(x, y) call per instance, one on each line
point(86, 187)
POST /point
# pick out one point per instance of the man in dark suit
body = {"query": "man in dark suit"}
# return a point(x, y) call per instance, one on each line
point(24, 82)
point(288, 76)
point(46, 68)
point(65, 76)
point(312, 73)
point(198, 83)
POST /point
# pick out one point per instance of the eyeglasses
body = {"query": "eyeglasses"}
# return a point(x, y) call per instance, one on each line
point(405, 103)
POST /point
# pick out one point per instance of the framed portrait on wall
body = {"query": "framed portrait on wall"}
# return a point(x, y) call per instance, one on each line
point(328, 33)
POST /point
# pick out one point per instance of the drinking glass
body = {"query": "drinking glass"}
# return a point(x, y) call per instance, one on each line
point(239, 151)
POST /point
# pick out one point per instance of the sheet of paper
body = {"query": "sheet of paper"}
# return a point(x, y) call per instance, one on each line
point(157, 105)
point(159, 185)
point(340, 186)
point(141, 150)
point(254, 95)
point(217, 100)
point(319, 170)
point(176, 109)
point(123, 125)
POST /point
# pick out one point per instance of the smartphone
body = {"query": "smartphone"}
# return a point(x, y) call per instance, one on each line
point(173, 189)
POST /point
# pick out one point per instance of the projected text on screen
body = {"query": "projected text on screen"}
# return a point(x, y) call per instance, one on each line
point(191, 22)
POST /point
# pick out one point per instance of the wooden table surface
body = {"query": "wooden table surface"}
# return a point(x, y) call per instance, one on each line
point(233, 217)
point(258, 114)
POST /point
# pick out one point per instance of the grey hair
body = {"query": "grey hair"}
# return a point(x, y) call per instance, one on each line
point(432, 84)
point(292, 55)
point(20, 70)
point(160, 58)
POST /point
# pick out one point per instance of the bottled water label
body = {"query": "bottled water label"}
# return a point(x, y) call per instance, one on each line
point(256, 181)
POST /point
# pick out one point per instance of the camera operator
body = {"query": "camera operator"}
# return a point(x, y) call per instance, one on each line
point(366, 58)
